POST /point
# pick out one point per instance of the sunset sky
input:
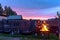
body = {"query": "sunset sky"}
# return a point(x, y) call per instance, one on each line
point(34, 9)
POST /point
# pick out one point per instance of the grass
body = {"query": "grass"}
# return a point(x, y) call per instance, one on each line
point(32, 37)
point(1, 39)
point(52, 36)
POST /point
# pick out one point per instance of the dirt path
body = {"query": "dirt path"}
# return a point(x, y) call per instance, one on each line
point(9, 38)
point(13, 38)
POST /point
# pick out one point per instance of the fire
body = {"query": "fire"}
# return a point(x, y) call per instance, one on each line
point(44, 27)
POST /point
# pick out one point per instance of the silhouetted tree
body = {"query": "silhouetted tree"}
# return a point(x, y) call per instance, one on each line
point(5, 11)
point(8, 11)
point(1, 10)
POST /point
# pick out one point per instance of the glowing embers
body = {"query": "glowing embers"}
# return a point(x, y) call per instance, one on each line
point(44, 27)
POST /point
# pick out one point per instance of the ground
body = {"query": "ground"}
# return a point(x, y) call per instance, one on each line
point(26, 37)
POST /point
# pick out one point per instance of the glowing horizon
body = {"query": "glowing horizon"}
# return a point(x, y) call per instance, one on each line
point(40, 18)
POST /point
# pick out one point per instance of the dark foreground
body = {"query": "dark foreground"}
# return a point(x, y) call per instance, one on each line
point(27, 37)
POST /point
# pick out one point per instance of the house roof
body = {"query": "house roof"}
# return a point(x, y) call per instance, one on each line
point(15, 17)
point(2, 17)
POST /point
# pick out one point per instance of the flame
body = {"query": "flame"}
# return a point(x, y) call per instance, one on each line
point(44, 27)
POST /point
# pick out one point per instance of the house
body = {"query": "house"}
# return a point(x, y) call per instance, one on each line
point(2, 23)
point(14, 23)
